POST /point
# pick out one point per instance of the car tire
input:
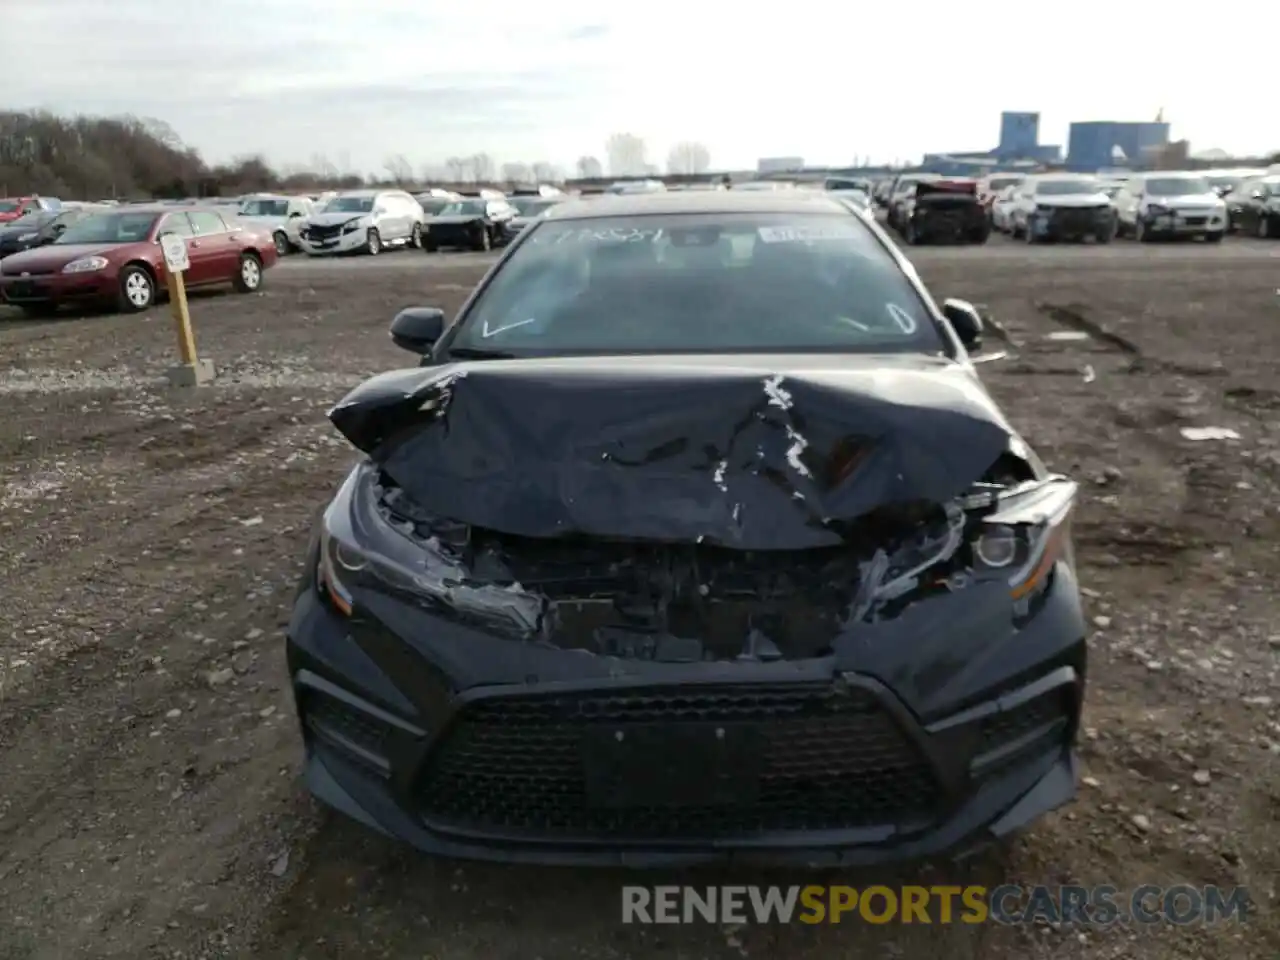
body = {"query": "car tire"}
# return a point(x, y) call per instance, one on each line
point(430, 246)
point(1264, 227)
point(38, 311)
point(373, 242)
point(1214, 237)
point(1028, 231)
point(248, 278)
point(909, 234)
point(486, 242)
point(980, 236)
point(137, 289)
point(1140, 232)
point(1106, 235)
point(415, 238)
point(281, 242)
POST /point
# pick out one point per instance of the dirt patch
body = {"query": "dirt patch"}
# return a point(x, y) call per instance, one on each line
point(151, 805)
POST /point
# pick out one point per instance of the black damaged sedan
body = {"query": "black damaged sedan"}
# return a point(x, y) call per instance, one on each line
point(695, 537)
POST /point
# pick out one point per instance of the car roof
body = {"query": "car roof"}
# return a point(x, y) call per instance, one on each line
point(159, 208)
point(697, 201)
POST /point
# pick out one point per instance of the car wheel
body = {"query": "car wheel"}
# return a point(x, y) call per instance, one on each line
point(282, 243)
point(1140, 232)
point(137, 289)
point(430, 246)
point(1264, 226)
point(486, 242)
point(249, 277)
point(35, 310)
point(1029, 230)
point(1215, 237)
point(1106, 234)
point(373, 242)
point(909, 234)
point(415, 239)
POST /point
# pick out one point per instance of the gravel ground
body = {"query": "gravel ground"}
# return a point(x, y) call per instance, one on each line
point(150, 804)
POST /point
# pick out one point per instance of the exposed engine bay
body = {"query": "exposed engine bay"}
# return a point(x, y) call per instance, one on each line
point(695, 602)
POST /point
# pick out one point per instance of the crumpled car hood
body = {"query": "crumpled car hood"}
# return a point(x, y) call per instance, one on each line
point(743, 451)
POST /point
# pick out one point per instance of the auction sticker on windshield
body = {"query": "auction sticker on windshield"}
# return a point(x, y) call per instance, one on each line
point(806, 234)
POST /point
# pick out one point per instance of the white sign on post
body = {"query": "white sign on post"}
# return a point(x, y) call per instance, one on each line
point(175, 253)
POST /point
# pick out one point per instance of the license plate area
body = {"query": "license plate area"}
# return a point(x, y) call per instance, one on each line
point(672, 765)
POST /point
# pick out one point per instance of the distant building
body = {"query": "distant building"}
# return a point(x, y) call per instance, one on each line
point(779, 164)
point(1019, 134)
point(1097, 144)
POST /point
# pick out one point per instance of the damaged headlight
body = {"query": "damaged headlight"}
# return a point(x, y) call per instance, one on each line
point(360, 547)
point(1026, 533)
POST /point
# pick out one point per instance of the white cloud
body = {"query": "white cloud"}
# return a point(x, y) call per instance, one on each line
point(360, 82)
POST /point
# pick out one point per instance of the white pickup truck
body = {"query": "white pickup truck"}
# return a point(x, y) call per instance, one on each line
point(280, 214)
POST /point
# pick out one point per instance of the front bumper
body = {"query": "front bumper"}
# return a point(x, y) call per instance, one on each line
point(933, 734)
point(1067, 223)
point(467, 235)
point(1178, 223)
point(99, 286)
point(319, 243)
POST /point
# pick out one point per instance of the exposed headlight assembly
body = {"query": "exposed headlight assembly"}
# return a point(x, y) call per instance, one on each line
point(361, 547)
point(1026, 534)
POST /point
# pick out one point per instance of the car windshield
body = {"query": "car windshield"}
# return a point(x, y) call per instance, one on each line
point(349, 205)
point(132, 227)
point(697, 283)
point(1057, 188)
point(1176, 186)
point(264, 207)
point(1000, 183)
point(467, 208)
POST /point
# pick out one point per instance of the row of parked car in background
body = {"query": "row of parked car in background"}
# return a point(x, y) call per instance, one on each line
point(53, 252)
point(1043, 207)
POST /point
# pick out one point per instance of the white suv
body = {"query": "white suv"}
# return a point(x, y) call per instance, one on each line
point(363, 220)
point(282, 215)
point(1171, 205)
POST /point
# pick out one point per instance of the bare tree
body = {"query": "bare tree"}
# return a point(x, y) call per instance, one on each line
point(399, 169)
point(458, 168)
point(432, 172)
point(589, 168)
point(543, 172)
point(688, 157)
point(627, 155)
point(482, 167)
point(516, 173)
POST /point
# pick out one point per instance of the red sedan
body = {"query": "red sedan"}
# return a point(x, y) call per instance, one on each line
point(114, 259)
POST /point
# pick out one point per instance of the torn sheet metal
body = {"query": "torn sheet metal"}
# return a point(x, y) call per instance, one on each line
point(718, 450)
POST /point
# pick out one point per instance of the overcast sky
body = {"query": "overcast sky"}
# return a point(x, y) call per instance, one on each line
point(361, 80)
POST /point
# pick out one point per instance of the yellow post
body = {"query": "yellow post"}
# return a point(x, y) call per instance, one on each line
point(181, 316)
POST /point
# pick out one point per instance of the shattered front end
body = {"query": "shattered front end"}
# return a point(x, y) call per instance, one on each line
point(894, 681)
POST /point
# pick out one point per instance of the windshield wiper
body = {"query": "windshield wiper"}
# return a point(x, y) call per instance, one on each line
point(479, 353)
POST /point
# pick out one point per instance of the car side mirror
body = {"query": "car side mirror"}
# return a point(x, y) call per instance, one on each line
point(1258, 195)
point(294, 214)
point(966, 322)
point(416, 329)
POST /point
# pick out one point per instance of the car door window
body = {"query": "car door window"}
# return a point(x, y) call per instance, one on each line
point(176, 223)
point(206, 223)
